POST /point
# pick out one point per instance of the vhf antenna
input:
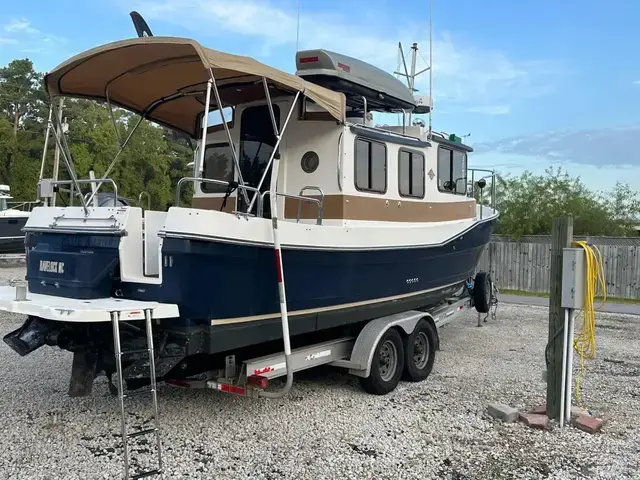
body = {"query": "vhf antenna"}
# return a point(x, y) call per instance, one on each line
point(140, 25)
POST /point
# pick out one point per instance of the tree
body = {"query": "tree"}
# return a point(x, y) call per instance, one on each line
point(528, 203)
point(21, 91)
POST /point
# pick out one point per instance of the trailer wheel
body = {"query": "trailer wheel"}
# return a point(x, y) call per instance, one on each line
point(387, 364)
point(482, 292)
point(419, 352)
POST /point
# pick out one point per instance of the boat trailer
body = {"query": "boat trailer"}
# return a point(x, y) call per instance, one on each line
point(388, 349)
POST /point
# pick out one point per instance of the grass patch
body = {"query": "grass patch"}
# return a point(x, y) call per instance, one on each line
point(631, 301)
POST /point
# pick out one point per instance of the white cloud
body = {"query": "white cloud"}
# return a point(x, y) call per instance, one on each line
point(490, 109)
point(636, 82)
point(20, 25)
point(30, 39)
point(465, 76)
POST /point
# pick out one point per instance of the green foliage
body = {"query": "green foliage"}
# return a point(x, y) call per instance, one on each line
point(153, 160)
point(528, 203)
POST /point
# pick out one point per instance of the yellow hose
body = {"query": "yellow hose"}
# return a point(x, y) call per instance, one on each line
point(585, 342)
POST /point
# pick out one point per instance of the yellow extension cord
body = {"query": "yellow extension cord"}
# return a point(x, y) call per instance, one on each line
point(585, 342)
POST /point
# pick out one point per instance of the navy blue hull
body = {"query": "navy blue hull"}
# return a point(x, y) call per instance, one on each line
point(214, 280)
point(329, 293)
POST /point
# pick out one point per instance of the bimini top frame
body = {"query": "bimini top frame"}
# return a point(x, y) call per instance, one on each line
point(169, 81)
point(164, 79)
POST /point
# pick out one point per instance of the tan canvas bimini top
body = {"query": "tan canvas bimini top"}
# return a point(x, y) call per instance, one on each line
point(150, 76)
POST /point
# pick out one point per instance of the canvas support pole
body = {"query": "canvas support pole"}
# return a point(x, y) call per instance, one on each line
point(205, 125)
point(226, 129)
point(275, 148)
point(67, 159)
point(115, 159)
point(46, 144)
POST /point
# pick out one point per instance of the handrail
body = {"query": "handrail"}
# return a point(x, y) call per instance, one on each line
point(214, 182)
point(297, 197)
point(474, 184)
point(144, 192)
point(27, 203)
point(320, 204)
point(99, 181)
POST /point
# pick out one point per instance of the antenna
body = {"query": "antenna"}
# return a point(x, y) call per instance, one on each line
point(140, 25)
point(430, 63)
point(298, 29)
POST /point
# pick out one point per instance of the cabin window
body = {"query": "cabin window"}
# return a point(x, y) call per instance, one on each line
point(371, 166)
point(452, 171)
point(218, 165)
point(410, 174)
point(214, 122)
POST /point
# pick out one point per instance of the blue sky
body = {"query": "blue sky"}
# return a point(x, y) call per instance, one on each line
point(535, 83)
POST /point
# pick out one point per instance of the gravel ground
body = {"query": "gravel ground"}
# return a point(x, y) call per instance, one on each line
point(329, 428)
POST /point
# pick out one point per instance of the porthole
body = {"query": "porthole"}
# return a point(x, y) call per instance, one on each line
point(310, 162)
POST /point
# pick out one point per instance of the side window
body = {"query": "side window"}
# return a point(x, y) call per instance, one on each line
point(218, 165)
point(371, 166)
point(411, 174)
point(452, 171)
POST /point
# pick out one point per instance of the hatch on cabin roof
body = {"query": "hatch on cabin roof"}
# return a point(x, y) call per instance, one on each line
point(356, 79)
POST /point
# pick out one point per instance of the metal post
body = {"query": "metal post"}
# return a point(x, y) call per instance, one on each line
point(56, 156)
point(284, 316)
point(115, 159)
point(275, 148)
point(46, 145)
point(67, 160)
point(226, 129)
point(205, 125)
point(561, 237)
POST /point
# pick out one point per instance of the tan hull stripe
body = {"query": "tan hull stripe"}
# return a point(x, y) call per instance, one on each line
point(227, 321)
point(213, 203)
point(354, 207)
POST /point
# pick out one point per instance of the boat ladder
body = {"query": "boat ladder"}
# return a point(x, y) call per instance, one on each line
point(116, 320)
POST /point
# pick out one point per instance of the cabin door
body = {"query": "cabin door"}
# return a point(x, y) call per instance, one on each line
point(257, 141)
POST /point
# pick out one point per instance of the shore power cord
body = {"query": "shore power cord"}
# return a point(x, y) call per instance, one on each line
point(584, 342)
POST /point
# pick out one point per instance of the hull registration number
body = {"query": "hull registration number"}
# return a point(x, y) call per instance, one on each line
point(51, 267)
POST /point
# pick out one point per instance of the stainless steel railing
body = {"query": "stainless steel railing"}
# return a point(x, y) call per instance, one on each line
point(301, 198)
point(214, 182)
point(479, 186)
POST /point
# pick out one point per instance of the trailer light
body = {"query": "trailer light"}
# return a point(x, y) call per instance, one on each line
point(308, 59)
point(258, 381)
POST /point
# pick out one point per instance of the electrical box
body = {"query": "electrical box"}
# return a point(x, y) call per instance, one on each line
point(574, 278)
point(45, 188)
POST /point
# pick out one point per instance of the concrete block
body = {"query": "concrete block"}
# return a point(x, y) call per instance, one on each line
point(503, 412)
point(588, 424)
point(578, 411)
point(535, 420)
point(539, 410)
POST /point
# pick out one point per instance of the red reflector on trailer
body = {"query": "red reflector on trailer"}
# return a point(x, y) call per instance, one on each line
point(258, 381)
point(308, 59)
point(223, 387)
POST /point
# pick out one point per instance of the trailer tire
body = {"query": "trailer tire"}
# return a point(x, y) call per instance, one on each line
point(387, 364)
point(419, 352)
point(482, 291)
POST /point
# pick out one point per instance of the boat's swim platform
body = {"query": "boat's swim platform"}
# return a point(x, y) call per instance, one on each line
point(74, 310)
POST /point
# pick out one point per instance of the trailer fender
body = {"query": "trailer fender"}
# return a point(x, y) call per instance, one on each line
point(364, 347)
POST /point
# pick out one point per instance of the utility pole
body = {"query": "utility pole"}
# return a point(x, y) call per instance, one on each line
point(561, 237)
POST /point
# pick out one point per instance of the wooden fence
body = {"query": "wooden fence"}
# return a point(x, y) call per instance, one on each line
point(524, 264)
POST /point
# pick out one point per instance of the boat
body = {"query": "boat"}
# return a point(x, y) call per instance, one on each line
point(307, 219)
point(12, 220)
